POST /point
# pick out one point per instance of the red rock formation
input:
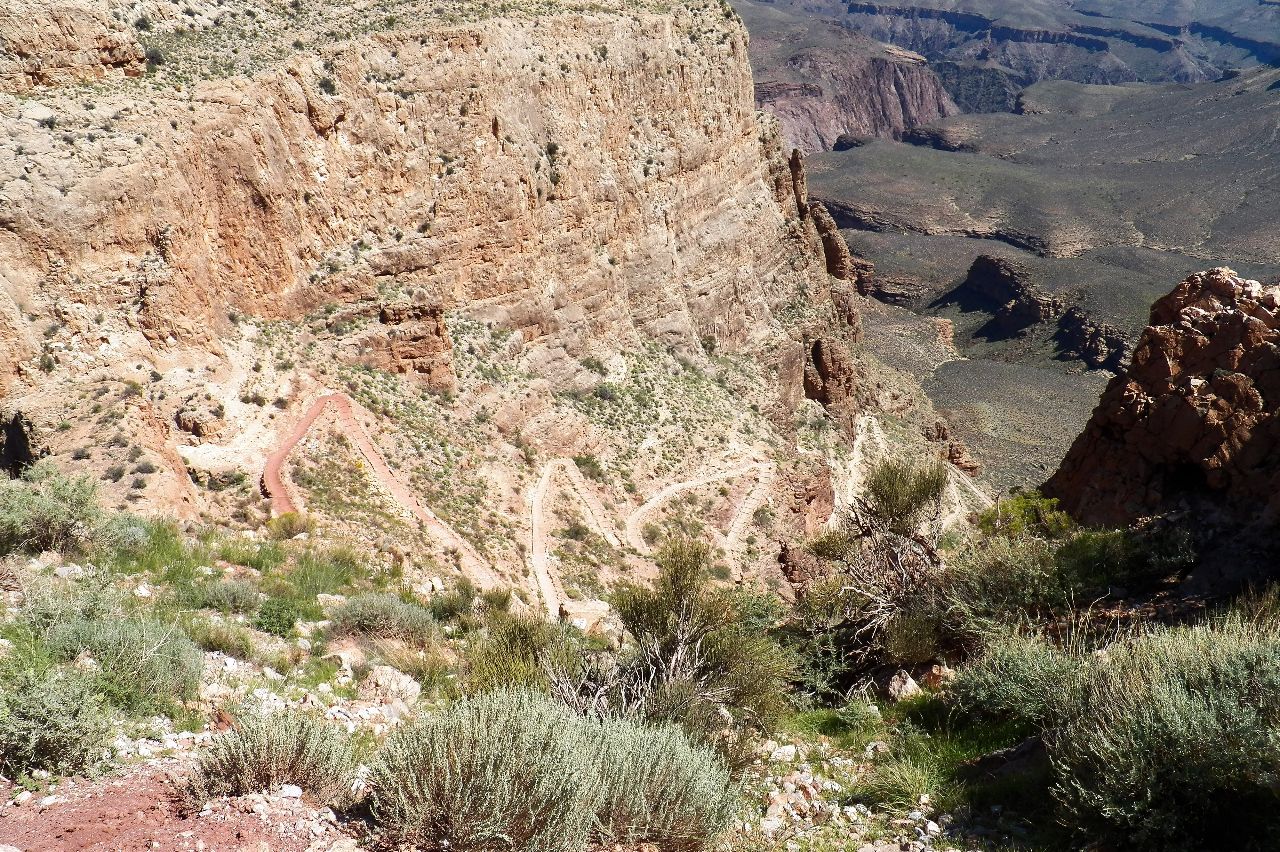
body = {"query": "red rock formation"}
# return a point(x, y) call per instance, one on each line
point(1194, 423)
point(413, 338)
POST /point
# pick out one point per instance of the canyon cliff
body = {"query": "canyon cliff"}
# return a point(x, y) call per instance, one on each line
point(824, 81)
point(564, 175)
point(448, 289)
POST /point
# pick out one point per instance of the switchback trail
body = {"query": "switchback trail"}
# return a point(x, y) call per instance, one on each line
point(549, 588)
point(638, 518)
point(473, 566)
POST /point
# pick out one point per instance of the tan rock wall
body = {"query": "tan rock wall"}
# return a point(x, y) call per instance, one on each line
point(578, 178)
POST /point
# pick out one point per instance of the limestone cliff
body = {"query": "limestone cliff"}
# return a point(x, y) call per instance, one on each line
point(575, 178)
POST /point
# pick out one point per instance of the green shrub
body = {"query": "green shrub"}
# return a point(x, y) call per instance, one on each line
point(514, 770)
point(45, 510)
point(695, 652)
point(1026, 513)
point(277, 616)
point(264, 752)
point(516, 651)
point(1022, 679)
point(504, 770)
point(659, 789)
point(51, 721)
point(902, 494)
point(1171, 742)
point(384, 616)
point(143, 666)
point(239, 596)
point(455, 603)
point(1003, 582)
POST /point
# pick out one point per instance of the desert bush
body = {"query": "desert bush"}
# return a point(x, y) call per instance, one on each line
point(902, 494)
point(240, 596)
point(694, 655)
point(515, 770)
point(52, 721)
point(289, 524)
point(1002, 582)
point(45, 510)
point(384, 616)
point(1171, 741)
point(1026, 513)
point(47, 604)
point(517, 650)
point(659, 788)
point(330, 571)
point(1023, 679)
point(142, 666)
point(880, 603)
point(455, 603)
point(505, 770)
point(277, 616)
point(264, 752)
point(217, 636)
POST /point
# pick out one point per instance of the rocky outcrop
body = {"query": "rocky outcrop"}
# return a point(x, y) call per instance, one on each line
point(17, 444)
point(63, 42)
point(1000, 286)
point(411, 337)
point(824, 81)
point(865, 96)
point(1195, 422)
point(1099, 345)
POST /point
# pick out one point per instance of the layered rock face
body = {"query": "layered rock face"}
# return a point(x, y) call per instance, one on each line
point(824, 81)
point(1195, 423)
point(62, 42)
point(577, 178)
point(882, 95)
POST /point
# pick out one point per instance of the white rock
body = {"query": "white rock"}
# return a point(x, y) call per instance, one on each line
point(142, 591)
point(23, 797)
point(290, 791)
point(783, 754)
point(902, 686)
point(68, 572)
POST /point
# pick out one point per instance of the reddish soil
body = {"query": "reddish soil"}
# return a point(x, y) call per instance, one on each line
point(139, 810)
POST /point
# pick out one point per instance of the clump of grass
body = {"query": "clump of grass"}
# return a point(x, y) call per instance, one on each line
point(264, 752)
